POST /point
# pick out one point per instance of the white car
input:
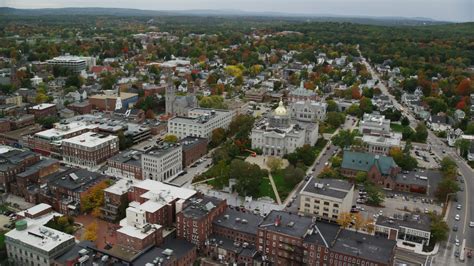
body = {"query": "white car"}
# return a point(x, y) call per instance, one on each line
point(471, 224)
point(457, 242)
point(459, 207)
point(457, 218)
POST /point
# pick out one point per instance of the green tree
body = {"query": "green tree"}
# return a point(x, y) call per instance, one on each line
point(218, 137)
point(445, 187)
point(335, 119)
point(374, 196)
point(421, 133)
point(361, 177)
point(365, 105)
point(213, 101)
point(405, 121)
point(293, 175)
point(354, 110)
point(439, 228)
point(463, 146)
point(332, 106)
point(345, 138)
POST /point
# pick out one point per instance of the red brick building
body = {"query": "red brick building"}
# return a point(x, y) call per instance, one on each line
point(152, 89)
point(127, 164)
point(5, 125)
point(15, 162)
point(43, 110)
point(81, 107)
point(193, 149)
point(89, 149)
point(194, 222)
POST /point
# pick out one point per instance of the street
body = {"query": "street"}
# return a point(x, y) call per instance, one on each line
point(445, 255)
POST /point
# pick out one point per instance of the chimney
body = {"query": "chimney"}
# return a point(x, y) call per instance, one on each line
point(277, 221)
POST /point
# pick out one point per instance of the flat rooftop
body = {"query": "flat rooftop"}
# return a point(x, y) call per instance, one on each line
point(90, 139)
point(289, 224)
point(168, 193)
point(62, 129)
point(200, 206)
point(334, 188)
point(138, 232)
point(42, 106)
point(123, 95)
point(365, 246)
point(420, 222)
point(246, 222)
point(121, 186)
point(40, 237)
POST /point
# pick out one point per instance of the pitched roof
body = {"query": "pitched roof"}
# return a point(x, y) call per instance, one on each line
point(364, 161)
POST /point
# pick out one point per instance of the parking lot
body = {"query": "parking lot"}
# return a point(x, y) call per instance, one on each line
point(4, 220)
point(399, 204)
point(425, 158)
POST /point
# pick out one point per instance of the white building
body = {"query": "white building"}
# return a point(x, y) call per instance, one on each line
point(374, 124)
point(200, 122)
point(75, 63)
point(32, 243)
point(415, 229)
point(162, 163)
point(326, 198)
point(278, 134)
point(308, 111)
point(381, 144)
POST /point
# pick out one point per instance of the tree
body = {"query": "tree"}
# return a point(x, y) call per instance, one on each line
point(47, 122)
point(361, 177)
point(62, 223)
point(359, 221)
point(94, 197)
point(369, 225)
point(374, 196)
point(248, 176)
point(439, 228)
point(218, 136)
point(463, 146)
point(445, 187)
point(293, 175)
point(332, 106)
point(449, 168)
point(421, 133)
point(335, 119)
point(213, 101)
point(170, 138)
point(91, 232)
point(365, 105)
point(354, 110)
point(405, 121)
point(344, 219)
point(336, 161)
point(344, 138)
point(437, 105)
point(124, 141)
point(403, 158)
point(306, 154)
point(328, 173)
point(274, 163)
point(292, 158)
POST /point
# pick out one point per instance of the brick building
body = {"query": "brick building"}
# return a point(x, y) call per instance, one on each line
point(31, 177)
point(64, 190)
point(194, 222)
point(116, 199)
point(5, 125)
point(43, 110)
point(48, 142)
point(193, 149)
point(14, 162)
point(380, 169)
point(81, 107)
point(89, 150)
point(127, 164)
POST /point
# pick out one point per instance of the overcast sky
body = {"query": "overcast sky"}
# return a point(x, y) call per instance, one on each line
point(451, 10)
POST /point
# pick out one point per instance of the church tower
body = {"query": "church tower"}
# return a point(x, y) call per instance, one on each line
point(170, 95)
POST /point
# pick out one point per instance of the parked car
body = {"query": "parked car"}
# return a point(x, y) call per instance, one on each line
point(455, 228)
point(457, 217)
point(459, 206)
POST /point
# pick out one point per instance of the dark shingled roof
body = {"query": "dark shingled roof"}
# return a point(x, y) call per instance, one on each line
point(228, 220)
point(373, 248)
point(298, 228)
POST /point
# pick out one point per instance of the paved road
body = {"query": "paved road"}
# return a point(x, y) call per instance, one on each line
point(446, 253)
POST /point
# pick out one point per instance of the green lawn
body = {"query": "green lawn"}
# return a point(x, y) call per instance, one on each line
point(266, 189)
point(283, 188)
point(396, 127)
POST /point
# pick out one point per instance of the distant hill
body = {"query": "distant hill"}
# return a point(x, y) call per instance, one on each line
point(94, 11)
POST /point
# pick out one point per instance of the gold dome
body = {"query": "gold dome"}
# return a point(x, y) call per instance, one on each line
point(280, 110)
